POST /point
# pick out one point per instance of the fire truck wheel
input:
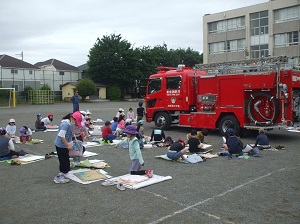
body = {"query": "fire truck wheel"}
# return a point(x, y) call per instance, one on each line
point(225, 121)
point(164, 119)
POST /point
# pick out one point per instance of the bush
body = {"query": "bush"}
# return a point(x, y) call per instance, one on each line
point(26, 92)
point(45, 87)
point(114, 93)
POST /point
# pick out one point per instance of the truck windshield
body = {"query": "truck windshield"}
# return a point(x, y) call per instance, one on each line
point(174, 82)
point(154, 85)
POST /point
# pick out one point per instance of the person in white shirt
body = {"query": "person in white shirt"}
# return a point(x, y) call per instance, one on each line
point(11, 128)
point(47, 120)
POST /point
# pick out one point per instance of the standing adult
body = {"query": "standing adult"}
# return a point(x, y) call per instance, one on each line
point(75, 101)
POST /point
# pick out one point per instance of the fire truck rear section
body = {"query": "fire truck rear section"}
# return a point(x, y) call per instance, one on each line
point(260, 94)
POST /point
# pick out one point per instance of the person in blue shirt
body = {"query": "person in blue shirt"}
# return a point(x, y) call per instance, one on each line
point(262, 139)
point(75, 101)
point(114, 124)
point(63, 144)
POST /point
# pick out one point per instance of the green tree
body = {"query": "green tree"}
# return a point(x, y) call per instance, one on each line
point(85, 87)
point(112, 60)
point(114, 92)
point(45, 87)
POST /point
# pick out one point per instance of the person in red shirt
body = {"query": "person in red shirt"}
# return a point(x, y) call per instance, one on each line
point(107, 134)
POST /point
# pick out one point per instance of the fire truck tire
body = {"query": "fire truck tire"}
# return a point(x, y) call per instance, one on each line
point(164, 119)
point(224, 121)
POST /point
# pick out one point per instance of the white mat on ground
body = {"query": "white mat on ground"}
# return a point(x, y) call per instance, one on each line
point(72, 175)
point(292, 129)
point(89, 154)
point(115, 142)
point(91, 144)
point(51, 129)
point(30, 158)
point(96, 132)
point(136, 181)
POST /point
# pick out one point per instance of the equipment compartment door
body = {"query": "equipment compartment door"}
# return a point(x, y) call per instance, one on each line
point(231, 93)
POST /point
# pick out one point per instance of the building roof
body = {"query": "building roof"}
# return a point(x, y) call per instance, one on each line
point(11, 62)
point(58, 65)
point(83, 67)
point(67, 83)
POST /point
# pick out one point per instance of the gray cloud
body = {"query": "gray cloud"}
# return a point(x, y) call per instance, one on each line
point(67, 29)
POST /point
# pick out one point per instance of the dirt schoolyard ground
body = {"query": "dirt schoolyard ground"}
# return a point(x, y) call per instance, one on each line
point(254, 190)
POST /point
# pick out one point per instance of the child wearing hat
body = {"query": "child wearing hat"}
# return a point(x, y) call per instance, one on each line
point(25, 134)
point(107, 134)
point(120, 111)
point(47, 120)
point(63, 144)
point(11, 128)
point(38, 123)
point(134, 152)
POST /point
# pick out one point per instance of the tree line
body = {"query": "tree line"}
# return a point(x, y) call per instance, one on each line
point(115, 62)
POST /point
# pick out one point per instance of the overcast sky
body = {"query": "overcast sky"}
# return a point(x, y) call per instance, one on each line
point(67, 29)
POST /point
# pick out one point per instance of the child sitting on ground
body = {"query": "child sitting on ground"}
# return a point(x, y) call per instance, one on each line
point(39, 125)
point(25, 134)
point(107, 134)
point(176, 150)
point(7, 148)
point(195, 145)
point(114, 124)
point(199, 134)
point(157, 134)
point(11, 128)
point(47, 120)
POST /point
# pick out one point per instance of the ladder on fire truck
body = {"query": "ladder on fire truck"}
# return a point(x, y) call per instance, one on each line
point(244, 66)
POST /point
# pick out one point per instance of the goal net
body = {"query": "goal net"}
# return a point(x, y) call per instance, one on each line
point(7, 97)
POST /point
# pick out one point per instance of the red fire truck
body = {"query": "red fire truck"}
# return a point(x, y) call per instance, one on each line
point(249, 94)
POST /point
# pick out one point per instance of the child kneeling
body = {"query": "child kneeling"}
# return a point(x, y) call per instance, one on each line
point(135, 152)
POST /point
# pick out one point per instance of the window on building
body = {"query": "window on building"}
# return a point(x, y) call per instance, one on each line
point(259, 23)
point(30, 72)
point(223, 25)
point(259, 51)
point(218, 47)
point(230, 46)
point(174, 82)
point(16, 87)
point(286, 14)
point(14, 71)
point(61, 73)
point(286, 39)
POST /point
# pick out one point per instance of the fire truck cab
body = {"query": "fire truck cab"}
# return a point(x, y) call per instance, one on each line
point(211, 96)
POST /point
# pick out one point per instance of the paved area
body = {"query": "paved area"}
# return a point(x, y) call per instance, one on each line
point(257, 190)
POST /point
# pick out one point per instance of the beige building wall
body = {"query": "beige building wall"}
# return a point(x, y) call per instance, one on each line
point(102, 93)
point(274, 28)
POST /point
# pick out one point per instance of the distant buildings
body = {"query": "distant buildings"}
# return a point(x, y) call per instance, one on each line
point(262, 30)
point(19, 74)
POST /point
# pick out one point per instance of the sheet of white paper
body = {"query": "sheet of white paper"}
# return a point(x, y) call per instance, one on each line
point(30, 158)
point(88, 154)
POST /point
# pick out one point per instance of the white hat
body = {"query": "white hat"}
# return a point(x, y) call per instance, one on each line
point(88, 112)
point(83, 112)
point(121, 109)
point(12, 120)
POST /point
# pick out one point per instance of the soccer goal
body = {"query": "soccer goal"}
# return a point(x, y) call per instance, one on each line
point(7, 97)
